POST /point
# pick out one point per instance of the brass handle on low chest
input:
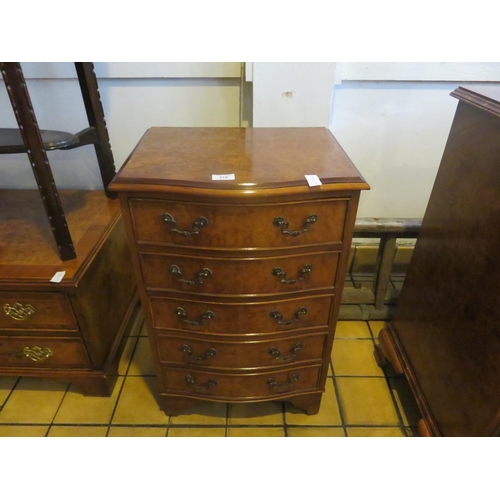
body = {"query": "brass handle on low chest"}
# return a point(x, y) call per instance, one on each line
point(281, 222)
point(209, 353)
point(294, 351)
point(200, 275)
point(287, 386)
point(198, 224)
point(277, 271)
point(37, 354)
point(18, 311)
point(204, 387)
point(206, 316)
point(276, 315)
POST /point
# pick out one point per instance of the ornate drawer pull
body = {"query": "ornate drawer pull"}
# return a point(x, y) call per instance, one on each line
point(277, 271)
point(18, 311)
point(206, 316)
point(200, 275)
point(294, 351)
point(279, 317)
point(287, 386)
point(209, 353)
point(37, 354)
point(205, 387)
point(281, 222)
point(198, 224)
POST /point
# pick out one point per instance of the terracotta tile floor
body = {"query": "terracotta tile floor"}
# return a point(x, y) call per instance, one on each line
point(361, 399)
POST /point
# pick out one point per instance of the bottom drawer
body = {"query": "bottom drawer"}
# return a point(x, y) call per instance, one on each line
point(240, 387)
point(42, 352)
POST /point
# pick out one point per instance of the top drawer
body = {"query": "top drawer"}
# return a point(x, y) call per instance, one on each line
point(212, 226)
point(36, 311)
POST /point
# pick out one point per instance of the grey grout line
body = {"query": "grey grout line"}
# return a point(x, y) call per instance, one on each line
point(10, 393)
point(123, 384)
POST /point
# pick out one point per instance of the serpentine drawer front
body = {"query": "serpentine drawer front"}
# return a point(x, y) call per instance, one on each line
point(240, 279)
point(237, 275)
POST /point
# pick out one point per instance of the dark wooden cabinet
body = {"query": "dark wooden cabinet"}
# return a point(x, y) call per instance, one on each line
point(70, 330)
point(445, 336)
point(240, 280)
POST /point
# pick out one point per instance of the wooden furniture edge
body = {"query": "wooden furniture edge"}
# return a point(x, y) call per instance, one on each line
point(390, 349)
point(478, 100)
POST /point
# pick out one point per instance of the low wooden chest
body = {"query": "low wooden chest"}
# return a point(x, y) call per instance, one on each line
point(70, 330)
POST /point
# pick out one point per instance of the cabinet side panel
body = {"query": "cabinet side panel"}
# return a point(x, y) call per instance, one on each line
point(449, 309)
point(104, 295)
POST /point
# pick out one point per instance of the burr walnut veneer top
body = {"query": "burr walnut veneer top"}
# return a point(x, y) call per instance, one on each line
point(259, 158)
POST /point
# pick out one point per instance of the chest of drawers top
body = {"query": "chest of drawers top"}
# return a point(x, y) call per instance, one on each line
point(173, 158)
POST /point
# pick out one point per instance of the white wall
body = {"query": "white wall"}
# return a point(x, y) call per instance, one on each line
point(135, 96)
point(392, 119)
point(292, 94)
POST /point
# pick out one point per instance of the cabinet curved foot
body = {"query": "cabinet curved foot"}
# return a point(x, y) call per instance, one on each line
point(310, 403)
point(173, 405)
point(385, 352)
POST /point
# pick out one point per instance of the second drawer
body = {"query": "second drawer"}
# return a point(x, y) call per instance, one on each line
point(239, 276)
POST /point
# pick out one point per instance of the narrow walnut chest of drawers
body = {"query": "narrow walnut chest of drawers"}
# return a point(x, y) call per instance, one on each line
point(239, 262)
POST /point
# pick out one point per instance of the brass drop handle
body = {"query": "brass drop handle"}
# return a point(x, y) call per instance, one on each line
point(200, 275)
point(18, 311)
point(205, 387)
point(198, 224)
point(280, 221)
point(209, 353)
point(287, 386)
point(206, 316)
point(277, 271)
point(276, 315)
point(37, 354)
point(294, 351)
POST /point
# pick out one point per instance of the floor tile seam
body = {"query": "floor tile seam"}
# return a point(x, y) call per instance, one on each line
point(315, 426)
point(69, 426)
point(23, 424)
point(149, 426)
point(339, 403)
point(186, 426)
point(396, 407)
point(60, 404)
point(254, 425)
point(131, 356)
point(10, 393)
point(371, 331)
point(76, 425)
point(138, 329)
point(112, 416)
point(373, 426)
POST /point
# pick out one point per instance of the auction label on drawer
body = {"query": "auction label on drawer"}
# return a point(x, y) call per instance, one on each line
point(223, 177)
